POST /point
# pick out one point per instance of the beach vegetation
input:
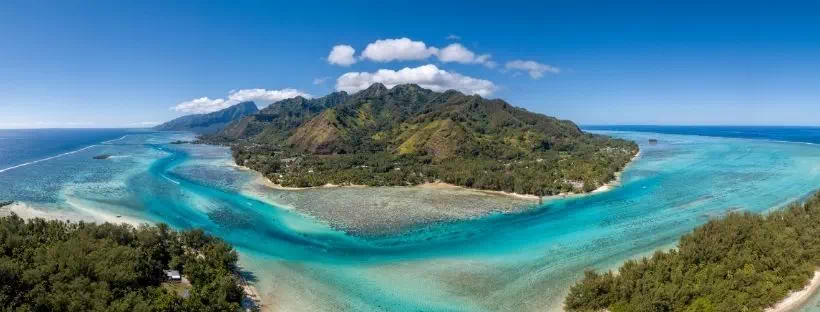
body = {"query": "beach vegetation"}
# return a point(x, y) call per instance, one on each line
point(65, 266)
point(743, 262)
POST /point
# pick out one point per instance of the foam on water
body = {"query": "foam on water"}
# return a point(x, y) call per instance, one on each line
point(522, 262)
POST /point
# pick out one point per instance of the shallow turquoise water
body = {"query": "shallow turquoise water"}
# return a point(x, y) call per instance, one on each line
point(514, 262)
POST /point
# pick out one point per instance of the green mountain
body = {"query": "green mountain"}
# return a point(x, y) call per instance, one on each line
point(409, 135)
point(210, 122)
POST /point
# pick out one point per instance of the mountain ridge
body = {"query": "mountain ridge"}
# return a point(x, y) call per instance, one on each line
point(407, 135)
point(209, 122)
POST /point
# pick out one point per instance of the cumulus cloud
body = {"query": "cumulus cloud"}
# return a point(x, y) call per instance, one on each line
point(402, 49)
point(458, 53)
point(427, 76)
point(200, 105)
point(535, 69)
point(453, 37)
point(405, 49)
point(260, 96)
point(342, 55)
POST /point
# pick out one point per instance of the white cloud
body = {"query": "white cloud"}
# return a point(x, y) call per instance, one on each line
point(453, 37)
point(263, 96)
point(427, 76)
point(458, 53)
point(320, 80)
point(342, 55)
point(200, 105)
point(260, 96)
point(402, 49)
point(535, 69)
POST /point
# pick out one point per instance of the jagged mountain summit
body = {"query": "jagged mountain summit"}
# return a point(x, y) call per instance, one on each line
point(210, 122)
point(407, 135)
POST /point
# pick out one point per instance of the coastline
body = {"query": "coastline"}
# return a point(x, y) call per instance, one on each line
point(27, 211)
point(391, 210)
point(443, 185)
point(796, 299)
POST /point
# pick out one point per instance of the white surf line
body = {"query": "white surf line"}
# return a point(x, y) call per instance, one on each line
point(114, 140)
point(47, 158)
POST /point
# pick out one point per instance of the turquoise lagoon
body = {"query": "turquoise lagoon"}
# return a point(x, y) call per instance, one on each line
point(501, 262)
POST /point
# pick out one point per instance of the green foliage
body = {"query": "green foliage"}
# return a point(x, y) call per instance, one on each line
point(744, 262)
point(60, 266)
point(409, 135)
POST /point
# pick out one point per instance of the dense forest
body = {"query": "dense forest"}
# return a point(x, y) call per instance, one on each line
point(408, 135)
point(61, 266)
point(744, 262)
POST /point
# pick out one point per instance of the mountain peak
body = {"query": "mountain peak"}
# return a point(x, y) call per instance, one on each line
point(210, 122)
point(447, 136)
point(407, 87)
point(374, 90)
point(378, 86)
point(245, 106)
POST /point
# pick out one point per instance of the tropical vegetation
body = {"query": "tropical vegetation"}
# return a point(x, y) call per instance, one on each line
point(63, 266)
point(409, 135)
point(744, 262)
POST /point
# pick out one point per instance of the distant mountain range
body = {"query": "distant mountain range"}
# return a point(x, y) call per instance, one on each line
point(408, 135)
point(210, 122)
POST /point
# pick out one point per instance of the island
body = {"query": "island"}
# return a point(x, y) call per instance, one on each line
point(408, 135)
point(744, 262)
point(65, 266)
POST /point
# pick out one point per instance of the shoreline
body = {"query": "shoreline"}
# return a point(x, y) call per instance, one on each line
point(796, 299)
point(28, 211)
point(252, 301)
point(396, 209)
point(443, 185)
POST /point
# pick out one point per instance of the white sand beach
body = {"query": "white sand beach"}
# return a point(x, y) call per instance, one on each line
point(796, 299)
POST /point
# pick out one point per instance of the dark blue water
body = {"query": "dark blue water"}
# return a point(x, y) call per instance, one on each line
point(19, 146)
point(774, 133)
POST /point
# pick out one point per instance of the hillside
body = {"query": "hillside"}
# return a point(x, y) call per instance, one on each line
point(409, 135)
point(210, 122)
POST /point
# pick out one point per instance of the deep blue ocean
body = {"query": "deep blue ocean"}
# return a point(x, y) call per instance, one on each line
point(500, 262)
point(774, 133)
point(21, 146)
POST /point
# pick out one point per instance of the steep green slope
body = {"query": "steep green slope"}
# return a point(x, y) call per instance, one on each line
point(409, 135)
point(273, 123)
point(210, 122)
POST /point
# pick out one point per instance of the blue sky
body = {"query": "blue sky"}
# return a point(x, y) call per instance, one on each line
point(128, 63)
